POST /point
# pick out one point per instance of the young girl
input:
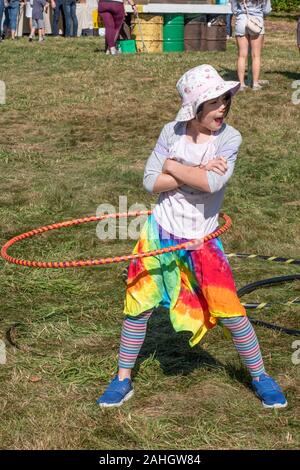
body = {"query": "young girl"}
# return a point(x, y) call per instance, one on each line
point(191, 163)
point(242, 9)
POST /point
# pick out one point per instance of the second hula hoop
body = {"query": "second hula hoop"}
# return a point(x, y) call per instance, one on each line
point(100, 261)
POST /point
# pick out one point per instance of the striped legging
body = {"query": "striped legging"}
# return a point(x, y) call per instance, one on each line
point(243, 336)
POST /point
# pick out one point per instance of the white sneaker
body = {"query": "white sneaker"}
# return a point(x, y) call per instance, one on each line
point(263, 82)
point(256, 87)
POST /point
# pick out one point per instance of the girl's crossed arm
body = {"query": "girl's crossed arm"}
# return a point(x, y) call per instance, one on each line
point(155, 180)
point(165, 174)
point(196, 177)
point(216, 173)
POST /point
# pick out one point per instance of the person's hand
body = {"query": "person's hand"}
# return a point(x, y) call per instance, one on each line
point(53, 4)
point(218, 165)
point(135, 10)
point(169, 165)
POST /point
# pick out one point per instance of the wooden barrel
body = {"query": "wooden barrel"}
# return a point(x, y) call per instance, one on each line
point(195, 34)
point(149, 33)
point(216, 37)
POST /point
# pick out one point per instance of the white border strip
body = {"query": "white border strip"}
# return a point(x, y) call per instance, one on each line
point(182, 8)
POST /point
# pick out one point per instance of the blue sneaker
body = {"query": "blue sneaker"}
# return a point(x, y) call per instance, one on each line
point(269, 392)
point(116, 393)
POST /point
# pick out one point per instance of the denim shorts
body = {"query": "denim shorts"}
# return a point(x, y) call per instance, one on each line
point(240, 26)
point(38, 24)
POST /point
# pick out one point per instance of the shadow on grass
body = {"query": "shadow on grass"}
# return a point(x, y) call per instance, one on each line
point(286, 73)
point(99, 49)
point(228, 74)
point(289, 16)
point(174, 353)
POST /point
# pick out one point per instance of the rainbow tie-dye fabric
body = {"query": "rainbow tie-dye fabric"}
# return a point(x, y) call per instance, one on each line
point(196, 286)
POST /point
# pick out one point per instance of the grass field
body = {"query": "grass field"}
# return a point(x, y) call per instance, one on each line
point(76, 131)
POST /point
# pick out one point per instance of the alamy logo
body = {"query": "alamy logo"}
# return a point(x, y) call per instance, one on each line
point(2, 92)
point(2, 352)
point(296, 94)
point(111, 229)
point(123, 229)
point(296, 354)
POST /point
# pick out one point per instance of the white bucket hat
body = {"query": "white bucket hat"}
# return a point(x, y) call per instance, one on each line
point(198, 85)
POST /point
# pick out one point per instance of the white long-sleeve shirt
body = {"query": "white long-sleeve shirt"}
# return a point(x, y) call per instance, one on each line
point(188, 212)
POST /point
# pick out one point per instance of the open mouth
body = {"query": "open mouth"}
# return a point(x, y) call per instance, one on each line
point(219, 121)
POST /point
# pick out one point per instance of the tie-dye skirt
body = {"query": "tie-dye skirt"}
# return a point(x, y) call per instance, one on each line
point(196, 286)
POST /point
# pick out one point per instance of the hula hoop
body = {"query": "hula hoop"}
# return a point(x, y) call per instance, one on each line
point(254, 307)
point(100, 261)
point(268, 283)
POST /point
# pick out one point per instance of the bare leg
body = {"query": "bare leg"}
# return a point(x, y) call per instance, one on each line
point(256, 48)
point(124, 373)
point(243, 45)
point(32, 34)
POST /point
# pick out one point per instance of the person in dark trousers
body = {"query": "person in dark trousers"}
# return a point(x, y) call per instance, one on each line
point(229, 25)
point(298, 34)
point(57, 7)
point(69, 7)
point(1, 16)
point(113, 14)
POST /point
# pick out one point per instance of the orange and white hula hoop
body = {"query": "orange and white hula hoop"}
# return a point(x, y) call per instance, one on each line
point(100, 261)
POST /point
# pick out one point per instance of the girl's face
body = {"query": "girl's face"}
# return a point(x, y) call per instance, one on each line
point(214, 112)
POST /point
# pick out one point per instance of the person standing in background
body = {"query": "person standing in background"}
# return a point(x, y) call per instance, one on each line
point(39, 6)
point(113, 14)
point(1, 16)
point(57, 7)
point(69, 7)
point(28, 12)
point(246, 39)
point(298, 34)
point(11, 16)
point(229, 25)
